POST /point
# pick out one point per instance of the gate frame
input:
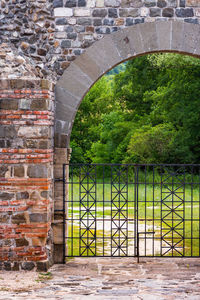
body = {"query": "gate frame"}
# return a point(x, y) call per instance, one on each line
point(174, 174)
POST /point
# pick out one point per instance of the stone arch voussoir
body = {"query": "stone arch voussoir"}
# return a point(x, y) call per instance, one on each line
point(103, 55)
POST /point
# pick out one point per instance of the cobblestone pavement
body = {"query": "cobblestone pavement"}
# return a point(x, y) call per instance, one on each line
point(111, 278)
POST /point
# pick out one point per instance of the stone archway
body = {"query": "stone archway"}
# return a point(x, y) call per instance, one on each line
point(169, 36)
point(162, 36)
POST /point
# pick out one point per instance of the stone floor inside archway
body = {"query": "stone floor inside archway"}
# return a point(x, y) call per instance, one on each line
point(107, 278)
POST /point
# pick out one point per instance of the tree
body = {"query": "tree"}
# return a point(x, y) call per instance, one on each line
point(149, 112)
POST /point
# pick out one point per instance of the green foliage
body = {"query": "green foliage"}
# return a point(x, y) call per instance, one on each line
point(147, 113)
point(151, 144)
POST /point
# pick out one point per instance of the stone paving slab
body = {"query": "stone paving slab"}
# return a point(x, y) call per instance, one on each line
point(109, 278)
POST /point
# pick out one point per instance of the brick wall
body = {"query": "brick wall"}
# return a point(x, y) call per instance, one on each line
point(26, 173)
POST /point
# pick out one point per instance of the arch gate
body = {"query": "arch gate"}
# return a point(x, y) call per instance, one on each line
point(160, 36)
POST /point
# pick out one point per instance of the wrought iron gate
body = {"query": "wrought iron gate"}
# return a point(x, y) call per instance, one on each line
point(131, 210)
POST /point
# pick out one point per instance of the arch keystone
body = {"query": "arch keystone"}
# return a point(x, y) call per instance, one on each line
point(164, 32)
point(149, 36)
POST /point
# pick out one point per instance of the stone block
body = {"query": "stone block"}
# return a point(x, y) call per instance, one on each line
point(9, 104)
point(22, 195)
point(45, 144)
point(63, 12)
point(177, 36)
point(65, 111)
point(28, 265)
point(34, 131)
point(44, 194)
point(37, 171)
point(84, 21)
point(7, 266)
point(112, 13)
point(161, 3)
point(61, 139)
point(164, 30)
point(2, 131)
point(191, 38)
point(99, 13)
point(38, 218)
point(75, 82)
point(15, 266)
point(155, 12)
point(42, 266)
point(128, 42)
point(3, 170)
point(193, 3)
point(60, 156)
point(90, 3)
point(149, 37)
point(57, 3)
point(133, 3)
point(81, 3)
point(41, 104)
point(4, 218)
point(58, 254)
point(61, 21)
point(70, 3)
point(65, 44)
point(168, 12)
point(82, 12)
point(6, 196)
point(58, 233)
point(18, 218)
point(24, 104)
point(10, 131)
point(112, 3)
point(106, 52)
point(99, 3)
point(21, 242)
point(184, 12)
point(150, 3)
point(19, 171)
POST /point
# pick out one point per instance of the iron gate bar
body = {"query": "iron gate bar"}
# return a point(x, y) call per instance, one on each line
point(129, 210)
